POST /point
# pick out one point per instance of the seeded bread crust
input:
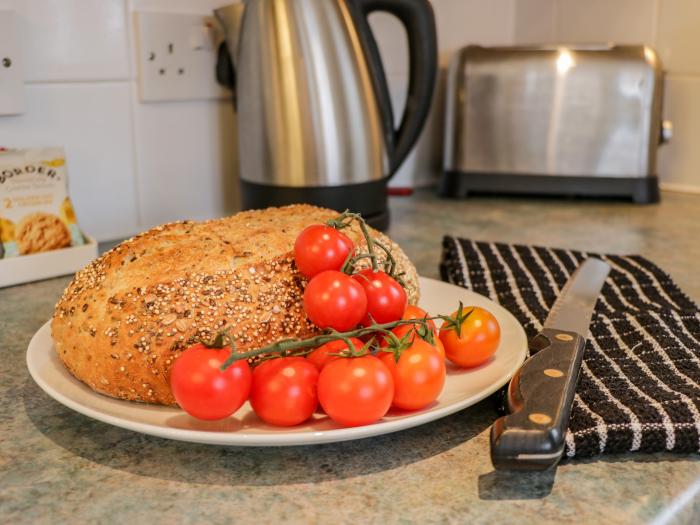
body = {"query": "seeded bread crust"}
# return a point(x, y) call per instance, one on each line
point(126, 317)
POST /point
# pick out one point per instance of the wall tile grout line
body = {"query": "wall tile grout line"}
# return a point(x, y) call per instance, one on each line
point(55, 82)
point(138, 195)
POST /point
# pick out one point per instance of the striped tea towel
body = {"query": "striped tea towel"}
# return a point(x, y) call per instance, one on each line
point(639, 388)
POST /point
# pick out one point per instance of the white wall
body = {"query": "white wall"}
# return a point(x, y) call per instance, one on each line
point(135, 165)
point(131, 165)
point(672, 27)
point(459, 23)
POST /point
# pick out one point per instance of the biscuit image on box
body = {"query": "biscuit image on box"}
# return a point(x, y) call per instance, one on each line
point(41, 232)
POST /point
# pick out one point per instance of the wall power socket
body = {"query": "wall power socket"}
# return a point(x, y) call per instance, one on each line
point(176, 57)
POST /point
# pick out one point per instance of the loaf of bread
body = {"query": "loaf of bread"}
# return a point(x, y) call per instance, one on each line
point(126, 317)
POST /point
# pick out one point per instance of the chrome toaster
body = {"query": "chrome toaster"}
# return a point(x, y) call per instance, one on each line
point(554, 120)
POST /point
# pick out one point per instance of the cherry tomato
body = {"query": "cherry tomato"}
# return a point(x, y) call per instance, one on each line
point(284, 391)
point(401, 330)
point(439, 346)
point(355, 391)
point(202, 390)
point(478, 338)
point(320, 357)
point(334, 300)
point(386, 298)
point(418, 376)
point(414, 312)
point(319, 247)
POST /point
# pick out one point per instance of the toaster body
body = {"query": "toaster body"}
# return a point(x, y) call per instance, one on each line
point(554, 120)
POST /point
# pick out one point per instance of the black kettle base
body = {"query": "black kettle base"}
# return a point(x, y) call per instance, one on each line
point(367, 198)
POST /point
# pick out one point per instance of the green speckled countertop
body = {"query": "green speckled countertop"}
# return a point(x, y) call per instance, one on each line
point(59, 466)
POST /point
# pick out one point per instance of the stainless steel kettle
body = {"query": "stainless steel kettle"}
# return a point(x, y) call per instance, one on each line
point(315, 122)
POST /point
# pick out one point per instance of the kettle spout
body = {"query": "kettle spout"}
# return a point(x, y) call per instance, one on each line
point(230, 18)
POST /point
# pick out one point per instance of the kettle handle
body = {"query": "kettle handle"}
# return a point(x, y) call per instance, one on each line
point(419, 21)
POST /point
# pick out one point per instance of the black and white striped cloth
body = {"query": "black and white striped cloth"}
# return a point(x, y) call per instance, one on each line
point(639, 387)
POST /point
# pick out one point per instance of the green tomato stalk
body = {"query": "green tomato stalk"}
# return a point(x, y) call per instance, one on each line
point(455, 323)
point(345, 220)
point(290, 346)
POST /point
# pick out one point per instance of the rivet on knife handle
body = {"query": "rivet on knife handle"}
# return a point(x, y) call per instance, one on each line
point(540, 395)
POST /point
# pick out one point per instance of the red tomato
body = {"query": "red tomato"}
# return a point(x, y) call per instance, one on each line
point(418, 376)
point(319, 247)
point(386, 298)
point(355, 391)
point(414, 312)
point(284, 391)
point(334, 300)
point(477, 340)
point(202, 390)
point(439, 346)
point(401, 330)
point(320, 357)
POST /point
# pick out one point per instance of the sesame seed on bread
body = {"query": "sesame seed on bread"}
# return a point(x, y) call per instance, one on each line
point(125, 317)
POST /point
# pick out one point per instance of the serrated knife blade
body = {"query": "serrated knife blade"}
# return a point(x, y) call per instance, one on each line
point(573, 309)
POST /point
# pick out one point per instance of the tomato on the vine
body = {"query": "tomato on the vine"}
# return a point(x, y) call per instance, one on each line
point(320, 247)
point(386, 298)
point(412, 331)
point(323, 354)
point(284, 391)
point(439, 346)
point(204, 391)
point(414, 312)
point(335, 300)
point(419, 374)
point(355, 391)
point(471, 337)
point(400, 331)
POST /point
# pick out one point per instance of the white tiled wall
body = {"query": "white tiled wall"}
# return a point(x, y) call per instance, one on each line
point(459, 23)
point(185, 158)
point(92, 121)
point(624, 21)
point(535, 21)
point(135, 165)
point(678, 35)
point(672, 27)
point(73, 40)
point(131, 165)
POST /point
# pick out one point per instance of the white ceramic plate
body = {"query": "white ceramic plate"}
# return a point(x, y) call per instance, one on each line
point(463, 388)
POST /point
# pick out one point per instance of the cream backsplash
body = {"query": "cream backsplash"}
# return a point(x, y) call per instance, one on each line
point(135, 165)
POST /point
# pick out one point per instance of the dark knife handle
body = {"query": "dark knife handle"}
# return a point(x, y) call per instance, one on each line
point(540, 396)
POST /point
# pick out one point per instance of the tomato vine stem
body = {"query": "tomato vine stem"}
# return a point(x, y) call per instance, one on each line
point(345, 220)
point(289, 345)
point(455, 323)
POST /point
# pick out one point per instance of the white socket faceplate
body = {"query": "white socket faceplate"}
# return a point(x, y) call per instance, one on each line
point(176, 57)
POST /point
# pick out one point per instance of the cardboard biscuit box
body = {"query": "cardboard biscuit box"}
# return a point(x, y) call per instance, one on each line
point(39, 232)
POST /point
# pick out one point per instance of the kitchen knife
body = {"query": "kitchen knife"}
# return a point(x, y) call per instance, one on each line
point(541, 393)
